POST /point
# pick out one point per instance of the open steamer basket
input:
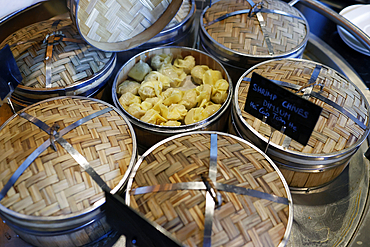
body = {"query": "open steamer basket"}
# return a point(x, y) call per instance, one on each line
point(148, 134)
point(241, 34)
point(54, 201)
point(55, 61)
point(342, 126)
point(168, 186)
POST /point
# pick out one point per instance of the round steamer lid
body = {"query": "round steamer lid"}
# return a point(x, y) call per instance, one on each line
point(168, 186)
point(54, 184)
point(343, 122)
point(121, 25)
point(285, 31)
point(72, 63)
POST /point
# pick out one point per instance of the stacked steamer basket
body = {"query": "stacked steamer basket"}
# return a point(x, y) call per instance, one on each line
point(50, 197)
point(55, 61)
point(147, 133)
point(243, 33)
point(338, 133)
point(168, 186)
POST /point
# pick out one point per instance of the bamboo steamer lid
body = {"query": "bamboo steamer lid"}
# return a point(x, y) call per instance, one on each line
point(240, 40)
point(121, 25)
point(54, 184)
point(154, 189)
point(341, 128)
point(76, 68)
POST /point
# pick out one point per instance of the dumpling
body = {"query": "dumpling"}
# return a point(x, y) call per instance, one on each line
point(176, 112)
point(150, 89)
point(128, 86)
point(148, 103)
point(139, 71)
point(153, 117)
point(136, 110)
point(211, 76)
point(159, 59)
point(197, 73)
point(175, 74)
point(156, 76)
point(194, 115)
point(127, 99)
point(219, 91)
point(204, 94)
point(210, 110)
point(172, 96)
point(187, 64)
point(171, 123)
point(189, 99)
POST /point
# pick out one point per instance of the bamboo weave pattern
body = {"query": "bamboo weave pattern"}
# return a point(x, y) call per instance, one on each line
point(243, 34)
point(71, 62)
point(240, 221)
point(54, 183)
point(117, 20)
point(334, 130)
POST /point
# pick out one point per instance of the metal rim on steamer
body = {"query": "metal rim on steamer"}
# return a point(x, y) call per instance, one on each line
point(131, 178)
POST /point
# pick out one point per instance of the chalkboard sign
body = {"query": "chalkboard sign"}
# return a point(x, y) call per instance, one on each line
point(9, 72)
point(282, 108)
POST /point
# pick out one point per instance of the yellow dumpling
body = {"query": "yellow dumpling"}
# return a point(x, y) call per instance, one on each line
point(197, 73)
point(219, 91)
point(176, 112)
point(187, 64)
point(153, 117)
point(175, 74)
point(210, 110)
point(156, 76)
point(128, 86)
point(172, 96)
point(194, 115)
point(211, 76)
point(150, 89)
point(189, 99)
point(171, 123)
point(148, 103)
point(136, 110)
point(139, 71)
point(127, 99)
point(204, 94)
point(159, 59)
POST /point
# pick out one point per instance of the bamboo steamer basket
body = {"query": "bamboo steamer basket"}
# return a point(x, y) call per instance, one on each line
point(239, 42)
point(55, 202)
point(121, 25)
point(76, 67)
point(154, 191)
point(341, 128)
point(149, 134)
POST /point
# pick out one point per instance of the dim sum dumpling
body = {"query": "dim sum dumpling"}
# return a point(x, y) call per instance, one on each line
point(159, 59)
point(171, 123)
point(127, 99)
point(189, 99)
point(148, 103)
point(194, 115)
point(211, 76)
point(197, 73)
point(139, 71)
point(210, 109)
point(204, 94)
point(150, 89)
point(176, 112)
point(187, 64)
point(128, 86)
point(136, 110)
point(156, 76)
point(219, 91)
point(153, 117)
point(172, 96)
point(175, 74)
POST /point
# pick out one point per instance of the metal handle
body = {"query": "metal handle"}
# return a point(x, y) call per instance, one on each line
point(361, 36)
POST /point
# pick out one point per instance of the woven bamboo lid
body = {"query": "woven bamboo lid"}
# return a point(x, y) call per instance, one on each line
point(174, 167)
point(344, 120)
point(122, 24)
point(73, 61)
point(54, 184)
point(284, 28)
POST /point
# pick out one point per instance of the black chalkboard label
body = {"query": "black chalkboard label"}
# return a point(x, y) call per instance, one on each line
point(282, 108)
